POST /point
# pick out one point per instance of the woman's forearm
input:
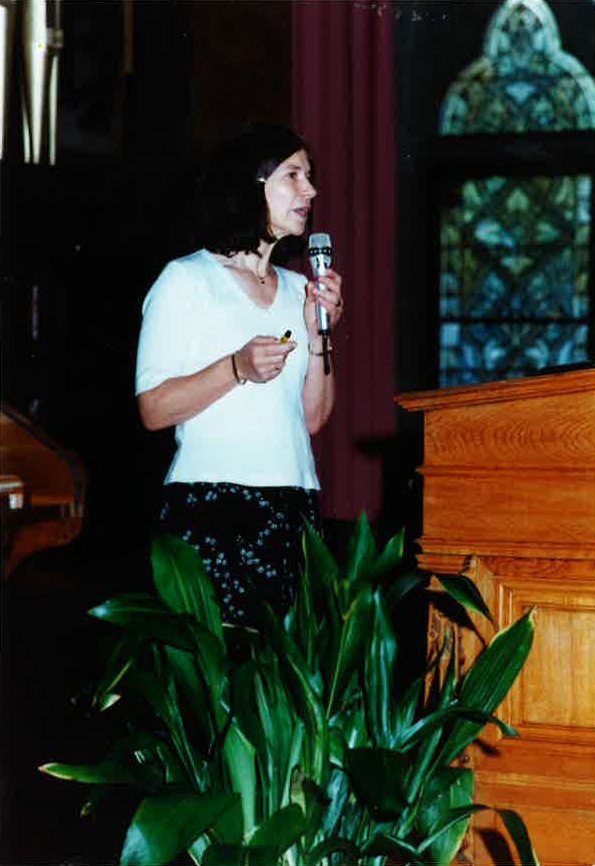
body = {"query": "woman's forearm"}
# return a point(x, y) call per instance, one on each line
point(319, 390)
point(181, 397)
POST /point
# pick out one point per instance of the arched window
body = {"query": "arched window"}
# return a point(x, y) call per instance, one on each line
point(515, 290)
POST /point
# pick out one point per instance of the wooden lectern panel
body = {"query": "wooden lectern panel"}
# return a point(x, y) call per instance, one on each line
point(509, 497)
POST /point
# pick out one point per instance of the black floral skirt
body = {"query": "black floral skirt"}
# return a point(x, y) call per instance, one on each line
point(249, 538)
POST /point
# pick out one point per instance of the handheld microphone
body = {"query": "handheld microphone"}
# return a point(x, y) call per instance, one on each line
point(320, 253)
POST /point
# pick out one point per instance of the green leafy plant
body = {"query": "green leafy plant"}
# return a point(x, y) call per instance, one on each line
point(306, 750)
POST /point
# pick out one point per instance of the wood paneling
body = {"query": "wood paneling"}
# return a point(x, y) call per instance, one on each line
point(562, 651)
point(521, 506)
point(509, 499)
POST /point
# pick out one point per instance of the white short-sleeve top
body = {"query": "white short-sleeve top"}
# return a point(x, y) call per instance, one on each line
point(195, 313)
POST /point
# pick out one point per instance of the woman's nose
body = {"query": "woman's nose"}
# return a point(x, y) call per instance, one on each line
point(309, 190)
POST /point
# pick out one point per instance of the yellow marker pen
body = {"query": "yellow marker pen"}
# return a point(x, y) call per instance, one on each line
point(285, 337)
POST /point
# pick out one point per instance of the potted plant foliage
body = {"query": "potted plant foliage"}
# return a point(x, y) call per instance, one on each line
point(304, 750)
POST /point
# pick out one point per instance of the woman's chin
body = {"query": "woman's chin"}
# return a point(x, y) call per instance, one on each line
point(297, 229)
point(300, 229)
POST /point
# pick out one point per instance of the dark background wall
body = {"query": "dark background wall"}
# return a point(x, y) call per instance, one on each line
point(91, 234)
point(94, 231)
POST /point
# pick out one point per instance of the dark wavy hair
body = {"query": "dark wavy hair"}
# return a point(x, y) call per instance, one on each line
point(232, 213)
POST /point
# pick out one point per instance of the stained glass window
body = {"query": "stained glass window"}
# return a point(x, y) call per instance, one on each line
point(514, 275)
point(523, 81)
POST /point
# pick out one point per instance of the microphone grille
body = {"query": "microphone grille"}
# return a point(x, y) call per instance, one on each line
point(319, 240)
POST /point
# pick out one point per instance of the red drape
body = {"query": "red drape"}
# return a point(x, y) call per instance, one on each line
point(343, 105)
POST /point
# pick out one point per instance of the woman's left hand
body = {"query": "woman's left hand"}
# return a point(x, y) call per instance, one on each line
point(329, 297)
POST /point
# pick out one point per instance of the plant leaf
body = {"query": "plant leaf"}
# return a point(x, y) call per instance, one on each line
point(125, 608)
point(377, 776)
point(320, 562)
point(333, 846)
point(463, 590)
point(425, 754)
point(240, 761)
point(282, 734)
point(389, 559)
point(386, 846)
point(403, 710)
point(245, 710)
point(441, 787)
point(451, 819)
point(428, 724)
point(116, 668)
point(183, 583)
point(518, 831)
point(361, 550)
point(511, 819)
point(137, 741)
point(488, 681)
point(349, 732)
point(160, 765)
point(379, 674)
point(228, 828)
point(306, 700)
point(450, 788)
point(167, 824)
point(158, 689)
point(355, 633)
point(322, 572)
point(198, 847)
point(202, 678)
point(337, 791)
point(280, 831)
point(401, 586)
point(316, 803)
point(306, 620)
point(292, 759)
point(239, 855)
point(148, 619)
point(106, 772)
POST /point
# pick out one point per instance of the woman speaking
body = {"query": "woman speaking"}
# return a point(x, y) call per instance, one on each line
point(230, 355)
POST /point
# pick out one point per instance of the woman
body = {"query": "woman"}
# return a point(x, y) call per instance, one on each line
point(213, 361)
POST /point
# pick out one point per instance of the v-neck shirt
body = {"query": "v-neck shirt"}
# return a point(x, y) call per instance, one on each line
point(195, 313)
point(232, 271)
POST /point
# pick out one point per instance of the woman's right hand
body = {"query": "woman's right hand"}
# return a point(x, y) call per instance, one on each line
point(263, 358)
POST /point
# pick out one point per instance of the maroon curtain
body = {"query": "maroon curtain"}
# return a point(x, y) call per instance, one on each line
point(342, 104)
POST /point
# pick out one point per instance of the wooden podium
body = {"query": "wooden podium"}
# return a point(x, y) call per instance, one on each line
point(509, 497)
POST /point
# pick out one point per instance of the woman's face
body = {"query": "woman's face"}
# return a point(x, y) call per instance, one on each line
point(288, 194)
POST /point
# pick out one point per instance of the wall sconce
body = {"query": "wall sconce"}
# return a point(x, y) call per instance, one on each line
point(42, 38)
